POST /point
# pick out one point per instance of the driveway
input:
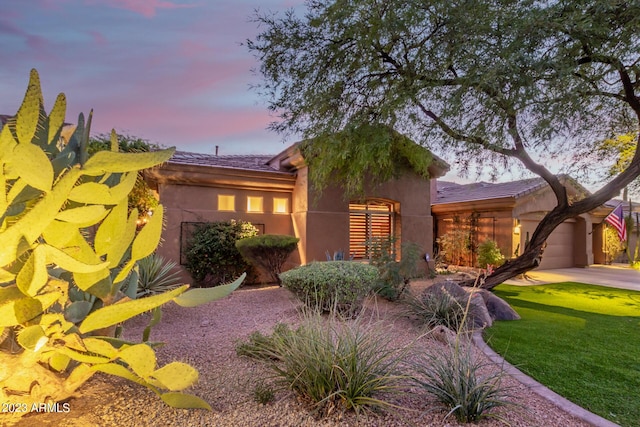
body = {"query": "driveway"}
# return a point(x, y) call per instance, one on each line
point(616, 276)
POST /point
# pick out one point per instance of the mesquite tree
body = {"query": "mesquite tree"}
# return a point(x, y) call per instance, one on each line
point(485, 83)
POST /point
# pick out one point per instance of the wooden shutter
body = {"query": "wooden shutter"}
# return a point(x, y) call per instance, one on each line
point(367, 221)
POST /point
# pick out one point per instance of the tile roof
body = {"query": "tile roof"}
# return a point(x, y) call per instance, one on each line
point(450, 192)
point(240, 161)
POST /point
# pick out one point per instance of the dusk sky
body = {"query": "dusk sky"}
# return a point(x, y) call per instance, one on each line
point(170, 71)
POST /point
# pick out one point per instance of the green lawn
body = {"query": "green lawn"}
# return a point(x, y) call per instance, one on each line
point(581, 341)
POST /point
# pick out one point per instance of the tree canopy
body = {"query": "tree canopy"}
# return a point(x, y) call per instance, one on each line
point(485, 83)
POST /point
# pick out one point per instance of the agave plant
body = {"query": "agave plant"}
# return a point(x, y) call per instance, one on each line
point(156, 276)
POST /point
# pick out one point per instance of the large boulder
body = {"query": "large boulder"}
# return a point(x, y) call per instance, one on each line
point(478, 315)
point(485, 307)
point(497, 307)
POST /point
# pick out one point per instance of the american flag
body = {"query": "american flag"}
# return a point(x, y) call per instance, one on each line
point(616, 220)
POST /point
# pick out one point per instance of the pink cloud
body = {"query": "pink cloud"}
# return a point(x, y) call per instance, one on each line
point(98, 38)
point(146, 8)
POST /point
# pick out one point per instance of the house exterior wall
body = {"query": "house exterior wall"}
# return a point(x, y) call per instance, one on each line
point(190, 195)
point(572, 244)
point(321, 219)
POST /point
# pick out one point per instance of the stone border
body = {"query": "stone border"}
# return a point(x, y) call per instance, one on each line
point(541, 390)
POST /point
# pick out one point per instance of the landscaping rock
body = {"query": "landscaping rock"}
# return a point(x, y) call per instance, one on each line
point(498, 308)
point(443, 334)
point(486, 307)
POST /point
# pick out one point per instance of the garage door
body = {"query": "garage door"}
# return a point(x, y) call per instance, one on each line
point(559, 252)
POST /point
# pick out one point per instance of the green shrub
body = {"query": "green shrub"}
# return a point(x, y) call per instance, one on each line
point(335, 365)
point(69, 251)
point(489, 254)
point(268, 251)
point(155, 276)
point(260, 346)
point(212, 257)
point(395, 275)
point(263, 393)
point(331, 285)
point(436, 308)
point(469, 388)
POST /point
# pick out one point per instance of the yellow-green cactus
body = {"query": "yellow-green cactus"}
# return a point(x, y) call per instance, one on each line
point(69, 252)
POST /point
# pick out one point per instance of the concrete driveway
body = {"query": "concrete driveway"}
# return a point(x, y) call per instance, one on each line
point(616, 276)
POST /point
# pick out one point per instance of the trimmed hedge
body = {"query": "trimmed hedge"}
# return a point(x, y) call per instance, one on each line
point(268, 251)
point(331, 285)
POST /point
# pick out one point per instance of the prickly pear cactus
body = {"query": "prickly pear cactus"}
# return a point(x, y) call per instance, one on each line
point(69, 253)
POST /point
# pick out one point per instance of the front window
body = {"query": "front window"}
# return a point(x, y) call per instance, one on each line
point(280, 205)
point(254, 204)
point(226, 202)
point(373, 220)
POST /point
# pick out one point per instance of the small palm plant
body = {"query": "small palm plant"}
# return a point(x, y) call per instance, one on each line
point(156, 276)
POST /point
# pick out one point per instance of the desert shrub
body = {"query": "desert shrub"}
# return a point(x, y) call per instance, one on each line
point(212, 257)
point(155, 276)
point(268, 251)
point(436, 308)
point(263, 393)
point(454, 246)
point(394, 276)
point(489, 254)
point(336, 365)
point(331, 285)
point(467, 386)
point(260, 346)
point(67, 264)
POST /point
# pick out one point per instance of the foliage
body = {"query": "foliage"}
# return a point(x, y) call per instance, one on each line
point(338, 158)
point(155, 276)
point(488, 84)
point(489, 254)
point(454, 246)
point(69, 251)
point(394, 276)
point(268, 251)
point(212, 257)
point(141, 196)
point(331, 286)
point(263, 393)
point(334, 365)
point(593, 366)
point(621, 148)
point(613, 246)
point(436, 308)
point(458, 379)
point(260, 346)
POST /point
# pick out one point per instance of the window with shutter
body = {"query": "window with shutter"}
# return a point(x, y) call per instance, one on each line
point(373, 219)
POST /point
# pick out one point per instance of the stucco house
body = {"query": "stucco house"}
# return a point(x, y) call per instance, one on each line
point(508, 213)
point(273, 192)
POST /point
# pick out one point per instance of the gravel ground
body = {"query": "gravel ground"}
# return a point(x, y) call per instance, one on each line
point(205, 337)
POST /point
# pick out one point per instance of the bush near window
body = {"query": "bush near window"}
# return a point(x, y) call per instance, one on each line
point(489, 254)
point(212, 257)
point(268, 251)
point(395, 275)
point(331, 285)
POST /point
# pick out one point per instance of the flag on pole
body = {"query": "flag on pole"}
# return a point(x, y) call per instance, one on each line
point(616, 220)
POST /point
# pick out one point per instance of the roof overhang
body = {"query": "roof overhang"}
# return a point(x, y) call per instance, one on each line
point(214, 176)
point(498, 204)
